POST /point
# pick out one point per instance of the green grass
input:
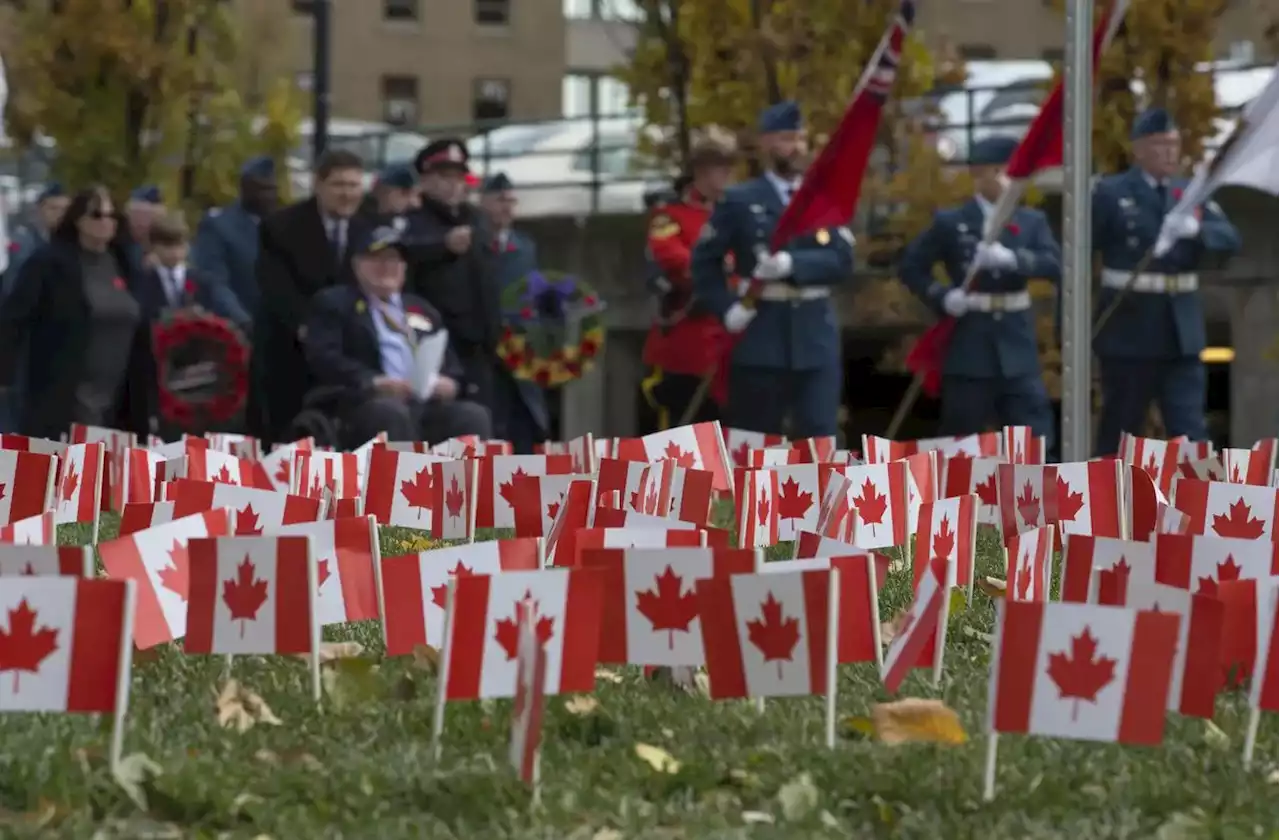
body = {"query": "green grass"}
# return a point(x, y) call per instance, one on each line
point(360, 765)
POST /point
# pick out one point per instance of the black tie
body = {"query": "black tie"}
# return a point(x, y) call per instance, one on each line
point(1162, 193)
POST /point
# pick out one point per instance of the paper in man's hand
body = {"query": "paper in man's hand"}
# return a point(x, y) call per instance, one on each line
point(428, 359)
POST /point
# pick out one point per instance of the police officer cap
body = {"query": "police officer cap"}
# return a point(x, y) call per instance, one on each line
point(399, 176)
point(784, 116)
point(377, 241)
point(992, 151)
point(149, 193)
point(447, 152)
point(53, 189)
point(1152, 121)
point(261, 167)
point(497, 183)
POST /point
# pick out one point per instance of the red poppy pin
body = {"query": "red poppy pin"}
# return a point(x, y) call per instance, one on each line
point(189, 288)
point(414, 310)
point(1013, 228)
point(119, 283)
point(1177, 193)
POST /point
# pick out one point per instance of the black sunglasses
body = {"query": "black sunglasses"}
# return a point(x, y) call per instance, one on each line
point(100, 214)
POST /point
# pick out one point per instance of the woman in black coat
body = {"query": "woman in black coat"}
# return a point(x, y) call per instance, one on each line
point(73, 307)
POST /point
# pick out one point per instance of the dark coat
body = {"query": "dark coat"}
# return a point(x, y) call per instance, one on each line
point(295, 260)
point(47, 314)
point(463, 288)
point(153, 299)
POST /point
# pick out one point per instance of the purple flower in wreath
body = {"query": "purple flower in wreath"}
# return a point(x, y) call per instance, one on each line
point(546, 297)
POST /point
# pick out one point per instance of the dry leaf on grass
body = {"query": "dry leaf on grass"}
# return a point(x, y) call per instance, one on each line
point(333, 651)
point(239, 707)
point(959, 601)
point(798, 797)
point(581, 705)
point(608, 676)
point(757, 818)
point(426, 658)
point(913, 719)
point(889, 629)
point(992, 587)
point(657, 758)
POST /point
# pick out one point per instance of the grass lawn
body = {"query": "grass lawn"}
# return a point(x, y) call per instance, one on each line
point(360, 766)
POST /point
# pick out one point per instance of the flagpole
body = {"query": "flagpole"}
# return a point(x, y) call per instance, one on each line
point(1077, 377)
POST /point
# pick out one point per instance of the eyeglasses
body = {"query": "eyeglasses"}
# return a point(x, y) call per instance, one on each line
point(100, 214)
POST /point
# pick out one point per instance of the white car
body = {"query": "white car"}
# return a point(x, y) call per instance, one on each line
point(377, 144)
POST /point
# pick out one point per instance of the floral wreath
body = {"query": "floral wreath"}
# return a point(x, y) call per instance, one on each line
point(216, 342)
point(554, 328)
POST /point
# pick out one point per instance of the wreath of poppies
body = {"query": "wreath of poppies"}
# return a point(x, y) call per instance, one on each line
point(187, 337)
point(553, 328)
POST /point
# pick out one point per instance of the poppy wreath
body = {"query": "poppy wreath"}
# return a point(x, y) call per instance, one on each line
point(182, 335)
point(553, 328)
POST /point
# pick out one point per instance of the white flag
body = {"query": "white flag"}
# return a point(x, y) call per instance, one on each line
point(1247, 159)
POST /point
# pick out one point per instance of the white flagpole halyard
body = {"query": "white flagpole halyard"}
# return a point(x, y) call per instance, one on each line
point(1077, 376)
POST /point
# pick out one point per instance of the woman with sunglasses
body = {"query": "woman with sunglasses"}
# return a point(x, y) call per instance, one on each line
point(72, 306)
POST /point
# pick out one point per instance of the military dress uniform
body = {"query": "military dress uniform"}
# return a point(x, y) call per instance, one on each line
point(1149, 348)
point(225, 253)
point(787, 361)
point(992, 367)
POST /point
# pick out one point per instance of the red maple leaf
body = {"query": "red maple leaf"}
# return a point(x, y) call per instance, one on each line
point(282, 472)
point(651, 502)
point(69, 482)
point(453, 498)
point(441, 592)
point(1239, 522)
point(673, 452)
point(870, 504)
point(1113, 584)
point(792, 504)
point(1028, 506)
point(1235, 475)
point(1227, 570)
point(636, 504)
point(959, 459)
point(1081, 673)
point(667, 607)
point(553, 508)
point(762, 507)
point(507, 631)
point(1069, 503)
point(173, 577)
point(2, 487)
point(505, 490)
point(317, 488)
point(247, 521)
point(1152, 468)
point(224, 476)
point(28, 571)
point(741, 454)
point(775, 637)
point(22, 646)
point(944, 540)
point(417, 492)
point(244, 595)
point(1026, 570)
point(986, 491)
point(322, 572)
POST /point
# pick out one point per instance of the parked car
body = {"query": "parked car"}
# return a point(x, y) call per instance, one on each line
point(377, 144)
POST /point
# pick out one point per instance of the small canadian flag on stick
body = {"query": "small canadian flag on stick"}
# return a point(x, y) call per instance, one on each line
point(29, 560)
point(1263, 687)
point(530, 698)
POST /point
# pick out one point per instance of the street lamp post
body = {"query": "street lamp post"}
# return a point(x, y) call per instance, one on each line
point(322, 11)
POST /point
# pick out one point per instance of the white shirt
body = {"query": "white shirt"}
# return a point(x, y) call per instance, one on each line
point(174, 281)
point(786, 189)
point(336, 230)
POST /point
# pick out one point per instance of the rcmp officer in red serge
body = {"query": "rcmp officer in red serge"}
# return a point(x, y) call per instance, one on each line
point(685, 341)
point(787, 361)
point(1150, 345)
point(991, 374)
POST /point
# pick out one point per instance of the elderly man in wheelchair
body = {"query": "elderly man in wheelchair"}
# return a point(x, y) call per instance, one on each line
point(360, 344)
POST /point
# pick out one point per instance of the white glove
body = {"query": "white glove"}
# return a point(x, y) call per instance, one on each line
point(774, 267)
point(955, 303)
point(738, 317)
point(993, 255)
point(1181, 226)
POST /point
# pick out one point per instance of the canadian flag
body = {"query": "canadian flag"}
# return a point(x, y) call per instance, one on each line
point(463, 446)
point(1089, 498)
point(650, 607)
point(453, 485)
point(1081, 671)
point(963, 474)
point(414, 586)
point(699, 446)
point(983, 444)
point(399, 490)
point(1022, 445)
point(1190, 451)
point(769, 635)
point(338, 472)
point(178, 448)
point(879, 450)
point(647, 536)
point(878, 499)
point(772, 456)
point(948, 530)
point(1157, 458)
point(1227, 510)
point(816, 450)
point(609, 517)
point(66, 644)
point(921, 637)
point(1105, 570)
point(252, 595)
point(801, 488)
point(1028, 497)
point(669, 490)
point(1200, 563)
point(739, 443)
point(80, 489)
point(116, 443)
point(1263, 687)
point(156, 559)
point(225, 441)
point(277, 465)
point(346, 553)
point(810, 544)
point(835, 515)
point(923, 483)
point(213, 465)
point(575, 513)
point(75, 560)
point(247, 447)
point(257, 511)
point(1204, 469)
point(861, 578)
point(1147, 509)
point(497, 484)
point(139, 516)
point(32, 530)
point(1194, 680)
point(1249, 466)
point(40, 446)
point(758, 509)
point(582, 450)
point(623, 478)
point(530, 697)
point(140, 475)
point(1029, 564)
point(479, 658)
point(536, 501)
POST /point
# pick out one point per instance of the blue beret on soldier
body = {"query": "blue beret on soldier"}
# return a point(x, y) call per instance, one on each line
point(1152, 121)
point(497, 183)
point(992, 151)
point(262, 167)
point(53, 189)
point(398, 176)
point(784, 116)
point(149, 193)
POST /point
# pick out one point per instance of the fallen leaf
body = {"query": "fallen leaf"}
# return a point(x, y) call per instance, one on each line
point(581, 705)
point(991, 587)
point(333, 651)
point(134, 771)
point(912, 719)
point(757, 818)
point(703, 683)
point(798, 797)
point(1215, 737)
point(608, 676)
point(890, 629)
point(959, 602)
point(239, 707)
point(858, 725)
point(657, 758)
point(351, 683)
point(426, 658)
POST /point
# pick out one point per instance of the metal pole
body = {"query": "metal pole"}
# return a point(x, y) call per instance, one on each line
point(1077, 266)
point(322, 42)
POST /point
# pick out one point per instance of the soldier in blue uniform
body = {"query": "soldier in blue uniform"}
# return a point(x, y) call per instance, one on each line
point(1149, 348)
point(50, 207)
point(520, 406)
point(788, 360)
point(991, 374)
point(225, 249)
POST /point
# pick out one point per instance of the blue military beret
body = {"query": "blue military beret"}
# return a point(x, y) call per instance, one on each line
point(262, 166)
point(497, 183)
point(992, 151)
point(376, 241)
point(53, 189)
point(398, 175)
point(784, 116)
point(1152, 121)
point(149, 193)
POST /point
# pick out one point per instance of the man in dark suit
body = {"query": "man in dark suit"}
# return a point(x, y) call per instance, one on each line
point(303, 248)
point(361, 338)
point(453, 263)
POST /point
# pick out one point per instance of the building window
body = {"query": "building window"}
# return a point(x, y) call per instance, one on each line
point(612, 97)
point(490, 100)
point(977, 52)
point(400, 9)
point(400, 100)
point(1055, 54)
point(493, 12)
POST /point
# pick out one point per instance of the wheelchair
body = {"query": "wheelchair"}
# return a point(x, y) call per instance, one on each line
point(319, 417)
